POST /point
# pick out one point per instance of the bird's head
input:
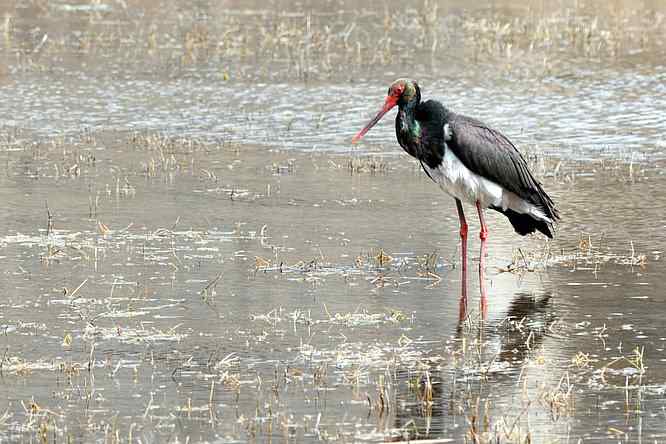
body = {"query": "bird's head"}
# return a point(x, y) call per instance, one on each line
point(401, 92)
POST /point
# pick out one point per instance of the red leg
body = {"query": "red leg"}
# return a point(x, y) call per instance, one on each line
point(482, 260)
point(463, 240)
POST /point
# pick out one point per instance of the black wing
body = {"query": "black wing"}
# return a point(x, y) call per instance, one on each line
point(490, 154)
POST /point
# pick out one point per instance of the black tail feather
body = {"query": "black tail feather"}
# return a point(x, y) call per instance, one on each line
point(525, 224)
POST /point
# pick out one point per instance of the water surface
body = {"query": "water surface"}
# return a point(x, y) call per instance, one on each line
point(193, 251)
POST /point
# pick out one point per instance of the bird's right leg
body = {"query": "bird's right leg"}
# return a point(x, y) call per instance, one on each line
point(463, 240)
point(483, 235)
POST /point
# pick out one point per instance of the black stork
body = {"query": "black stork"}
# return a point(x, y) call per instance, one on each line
point(470, 161)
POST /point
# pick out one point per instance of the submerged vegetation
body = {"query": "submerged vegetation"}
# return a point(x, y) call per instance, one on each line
point(176, 271)
point(125, 296)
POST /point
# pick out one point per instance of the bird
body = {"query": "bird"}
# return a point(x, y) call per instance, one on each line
point(470, 161)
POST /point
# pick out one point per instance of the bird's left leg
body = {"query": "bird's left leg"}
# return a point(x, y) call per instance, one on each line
point(463, 245)
point(482, 259)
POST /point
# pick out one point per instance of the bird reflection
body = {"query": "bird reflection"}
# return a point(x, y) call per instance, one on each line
point(525, 327)
point(433, 401)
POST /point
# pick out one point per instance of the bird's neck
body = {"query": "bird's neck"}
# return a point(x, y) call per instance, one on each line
point(407, 127)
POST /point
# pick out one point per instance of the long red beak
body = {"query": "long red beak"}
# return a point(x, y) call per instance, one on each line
point(388, 104)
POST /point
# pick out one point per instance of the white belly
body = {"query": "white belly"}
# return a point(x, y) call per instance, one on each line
point(457, 180)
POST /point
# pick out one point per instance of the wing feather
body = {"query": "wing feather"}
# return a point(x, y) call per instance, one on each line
point(489, 153)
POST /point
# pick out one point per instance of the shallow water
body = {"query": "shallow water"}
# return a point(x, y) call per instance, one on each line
point(321, 117)
point(193, 257)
